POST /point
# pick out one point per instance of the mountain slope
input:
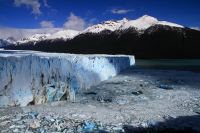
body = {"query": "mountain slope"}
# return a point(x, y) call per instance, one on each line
point(145, 37)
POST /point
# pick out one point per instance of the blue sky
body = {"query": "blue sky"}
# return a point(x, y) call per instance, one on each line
point(79, 14)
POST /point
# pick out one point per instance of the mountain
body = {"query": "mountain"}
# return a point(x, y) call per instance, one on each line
point(139, 24)
point(61, 34)
point(145, 37)
point(18, 34)
point(7, 42)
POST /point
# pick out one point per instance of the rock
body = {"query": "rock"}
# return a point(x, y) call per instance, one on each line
point(142, 98)
point(34, 124)
point(16, 130)
point(166, 87)
point(105, 98)
point(3, 123)
point(141, 85)
point(152, 123)
point(38, 131)
point(121, 101)
point(52, 120)
point(143, 124)
point(118, 129)
point(33, 114)
point(4, 117)
point(90, 93)
point(12, 126)
point(168, 117)
point(5, 131)
point(137, 92)
point(18, 118)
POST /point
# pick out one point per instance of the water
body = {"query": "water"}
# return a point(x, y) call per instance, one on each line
point(176, 64)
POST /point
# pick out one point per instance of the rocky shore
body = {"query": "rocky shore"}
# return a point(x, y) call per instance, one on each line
point(137, 100)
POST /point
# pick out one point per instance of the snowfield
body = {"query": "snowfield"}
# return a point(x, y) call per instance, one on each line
point(30, 77)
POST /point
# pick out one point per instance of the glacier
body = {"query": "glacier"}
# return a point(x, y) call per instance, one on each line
point(30, 77)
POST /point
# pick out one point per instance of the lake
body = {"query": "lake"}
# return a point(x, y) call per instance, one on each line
point(177, 64)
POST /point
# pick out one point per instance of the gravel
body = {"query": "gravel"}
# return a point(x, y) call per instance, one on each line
point(136, 100)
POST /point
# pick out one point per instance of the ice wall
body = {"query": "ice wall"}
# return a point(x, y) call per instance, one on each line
point(28, 77)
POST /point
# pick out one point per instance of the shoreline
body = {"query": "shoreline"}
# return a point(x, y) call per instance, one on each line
point(136, 99)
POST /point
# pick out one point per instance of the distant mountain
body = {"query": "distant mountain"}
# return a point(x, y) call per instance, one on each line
point(18, 34)
point(139, 24)
point(61, 34)
point(145, 37)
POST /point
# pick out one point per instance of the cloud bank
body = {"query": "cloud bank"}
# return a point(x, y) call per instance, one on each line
point(46, 3)
point(74, 23)
point(33, 4)
point(46, 24)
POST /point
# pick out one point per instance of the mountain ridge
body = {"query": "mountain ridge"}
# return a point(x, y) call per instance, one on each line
point(25, 35)
point(153, 39)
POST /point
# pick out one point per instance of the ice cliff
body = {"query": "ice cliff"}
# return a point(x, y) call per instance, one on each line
point(28, 77)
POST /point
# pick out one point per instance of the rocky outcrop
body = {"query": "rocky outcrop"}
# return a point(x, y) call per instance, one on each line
point(28, 77)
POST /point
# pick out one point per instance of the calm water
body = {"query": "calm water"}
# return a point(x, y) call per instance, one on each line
point(177, 64)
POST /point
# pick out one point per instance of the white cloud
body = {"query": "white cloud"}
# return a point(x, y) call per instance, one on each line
point(46, 24)
point(34, 4)
point(120, 11)
point(195, 28)
point(74, 22)
point(46, 3)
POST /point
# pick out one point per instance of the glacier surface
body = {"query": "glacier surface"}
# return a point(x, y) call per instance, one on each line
point(30, 77)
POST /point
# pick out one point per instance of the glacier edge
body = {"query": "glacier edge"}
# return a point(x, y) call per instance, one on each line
point(30, 77)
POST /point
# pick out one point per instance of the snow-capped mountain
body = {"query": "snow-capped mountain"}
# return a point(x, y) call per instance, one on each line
point(64, 34)
point(139, 24)
point(8, 41)
point(107, 25)
point(61, 34)
point(18, 34)
point(145, 22)
point(23, 36)
point(145, 37)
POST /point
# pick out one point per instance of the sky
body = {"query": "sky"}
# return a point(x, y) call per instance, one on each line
point(79, 14)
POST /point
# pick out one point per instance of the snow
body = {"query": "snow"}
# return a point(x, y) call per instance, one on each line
point(107, 25)
point(27, 76)
point(170, 24)
point(35, 37)
point(14, 36)
point(141, 23)
point(18, 36)
point(65, 34)
point(62, 34)
point(145, 22)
